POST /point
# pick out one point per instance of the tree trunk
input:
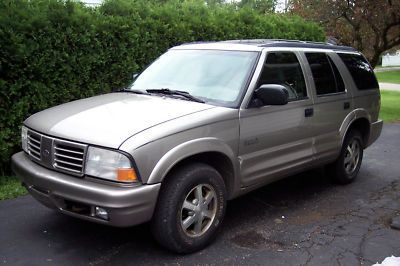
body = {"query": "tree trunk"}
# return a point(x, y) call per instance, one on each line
point(375, 58)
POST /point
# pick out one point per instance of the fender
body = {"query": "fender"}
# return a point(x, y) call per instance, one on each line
point(190, 148)
point(349, 119)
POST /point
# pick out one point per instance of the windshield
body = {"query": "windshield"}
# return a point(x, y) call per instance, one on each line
point(217, 77)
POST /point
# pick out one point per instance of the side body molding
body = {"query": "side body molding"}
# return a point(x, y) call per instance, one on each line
point(190, 148)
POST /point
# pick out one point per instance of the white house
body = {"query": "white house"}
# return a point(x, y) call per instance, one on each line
point(391, 60)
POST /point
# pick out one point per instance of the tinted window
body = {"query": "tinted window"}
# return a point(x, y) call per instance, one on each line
point(338, 78)
point(360, 70)
point(283, 68)
point(326, 76)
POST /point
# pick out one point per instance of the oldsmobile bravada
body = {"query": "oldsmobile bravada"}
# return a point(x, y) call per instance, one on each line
point(203, 124)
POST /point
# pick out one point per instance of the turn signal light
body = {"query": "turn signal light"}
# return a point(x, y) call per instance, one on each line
point(126, 175)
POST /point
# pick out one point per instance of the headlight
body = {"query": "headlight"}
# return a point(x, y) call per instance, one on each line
point(24, 138)
point(109, 165)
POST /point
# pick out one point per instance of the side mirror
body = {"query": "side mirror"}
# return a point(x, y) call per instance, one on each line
point(135, 75)
point(271, 94)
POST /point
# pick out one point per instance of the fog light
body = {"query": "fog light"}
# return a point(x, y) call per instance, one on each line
point(101, 213)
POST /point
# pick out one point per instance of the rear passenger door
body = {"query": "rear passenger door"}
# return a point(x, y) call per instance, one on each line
point(332, 103)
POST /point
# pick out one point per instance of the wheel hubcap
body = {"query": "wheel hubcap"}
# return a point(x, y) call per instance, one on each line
point(198, 210)
point(352, 156)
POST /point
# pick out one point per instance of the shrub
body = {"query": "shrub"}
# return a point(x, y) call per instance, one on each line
point(55, 51)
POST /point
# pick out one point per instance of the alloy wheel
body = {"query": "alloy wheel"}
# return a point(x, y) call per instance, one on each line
point(198, 210)
point(352, 156)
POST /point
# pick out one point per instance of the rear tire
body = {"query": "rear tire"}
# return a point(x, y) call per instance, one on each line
point(190, 208)
point(345, 169)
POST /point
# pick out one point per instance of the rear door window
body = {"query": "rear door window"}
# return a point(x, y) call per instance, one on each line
point(340, 87)
point(360, 70)
point(326, 76)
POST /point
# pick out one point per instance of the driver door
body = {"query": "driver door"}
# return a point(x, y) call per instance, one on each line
point(277, 140)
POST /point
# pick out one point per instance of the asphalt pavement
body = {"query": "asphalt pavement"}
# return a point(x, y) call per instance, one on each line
point(302, 220)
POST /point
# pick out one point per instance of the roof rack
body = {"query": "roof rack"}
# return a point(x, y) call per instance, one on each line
point(290, 43)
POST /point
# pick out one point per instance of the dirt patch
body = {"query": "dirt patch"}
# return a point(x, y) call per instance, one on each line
point(308, 218)
point(256, 240)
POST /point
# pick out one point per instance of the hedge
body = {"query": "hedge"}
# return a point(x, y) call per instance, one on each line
point(54, 51)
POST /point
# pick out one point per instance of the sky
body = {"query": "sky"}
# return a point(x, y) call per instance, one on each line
point(92, 2)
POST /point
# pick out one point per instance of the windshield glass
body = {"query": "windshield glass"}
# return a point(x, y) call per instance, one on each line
point(217, 77)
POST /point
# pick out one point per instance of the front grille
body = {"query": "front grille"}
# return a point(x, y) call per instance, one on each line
point(34, 145)
point(69, 157)
point(61, 155)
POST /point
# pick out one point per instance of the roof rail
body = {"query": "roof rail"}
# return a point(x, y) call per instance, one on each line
point(283, 43)
point(264, 41)
point(291, 43)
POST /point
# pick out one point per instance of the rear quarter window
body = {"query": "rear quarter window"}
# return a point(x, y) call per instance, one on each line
point(360, 70)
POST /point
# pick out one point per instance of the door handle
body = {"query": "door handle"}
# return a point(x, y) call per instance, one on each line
point(309, 112)
point(346, 105)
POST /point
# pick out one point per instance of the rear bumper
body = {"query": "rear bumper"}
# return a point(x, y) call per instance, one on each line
point(375, 132)
point(126, 206)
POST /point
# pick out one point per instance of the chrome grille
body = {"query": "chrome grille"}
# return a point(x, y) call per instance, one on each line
point(69, 156)
point(34, 145)
point(61, 155)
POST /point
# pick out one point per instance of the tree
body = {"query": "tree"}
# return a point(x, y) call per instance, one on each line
point(371, 26)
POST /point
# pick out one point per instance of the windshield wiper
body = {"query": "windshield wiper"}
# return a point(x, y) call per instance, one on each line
point(132, 91)
point(184, 94)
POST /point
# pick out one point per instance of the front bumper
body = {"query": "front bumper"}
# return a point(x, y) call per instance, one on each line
point(126, 206)
point(375, 132)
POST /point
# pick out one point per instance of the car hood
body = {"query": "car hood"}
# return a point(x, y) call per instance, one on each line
point(109, 119)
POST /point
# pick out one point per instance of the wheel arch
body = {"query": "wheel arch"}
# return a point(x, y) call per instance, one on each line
point(207, 150)
point(359, 119)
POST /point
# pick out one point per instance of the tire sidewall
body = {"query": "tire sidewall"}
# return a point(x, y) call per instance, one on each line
point(166, 224)
point(344, 177)
point(197, 179)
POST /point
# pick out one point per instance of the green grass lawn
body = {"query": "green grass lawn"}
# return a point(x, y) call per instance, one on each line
point(390, 106)
point(389, 76)
point(10, 187)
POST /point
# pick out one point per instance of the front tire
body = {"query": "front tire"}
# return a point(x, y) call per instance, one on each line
point(345, 169)
point(190, 208)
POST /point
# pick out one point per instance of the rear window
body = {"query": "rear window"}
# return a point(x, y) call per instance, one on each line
point(360, 70)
